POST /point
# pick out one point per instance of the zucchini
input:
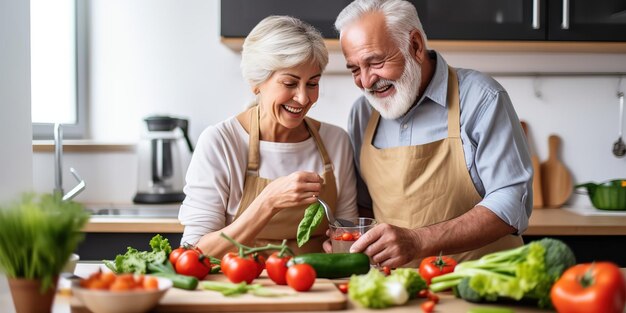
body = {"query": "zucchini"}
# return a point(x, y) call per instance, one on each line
point(335, 265)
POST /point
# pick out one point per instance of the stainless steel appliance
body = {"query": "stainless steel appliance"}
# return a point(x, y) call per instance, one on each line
point(163, 155)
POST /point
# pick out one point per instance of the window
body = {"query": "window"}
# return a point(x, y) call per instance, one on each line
point(58, 51)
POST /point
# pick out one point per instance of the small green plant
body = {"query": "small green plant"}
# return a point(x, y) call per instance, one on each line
point(38, 235)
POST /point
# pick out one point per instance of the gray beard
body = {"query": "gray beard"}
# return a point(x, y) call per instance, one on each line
point(407, 91)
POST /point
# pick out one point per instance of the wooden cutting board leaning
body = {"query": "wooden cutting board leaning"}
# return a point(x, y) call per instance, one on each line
point(556, 180)
point(537, 190)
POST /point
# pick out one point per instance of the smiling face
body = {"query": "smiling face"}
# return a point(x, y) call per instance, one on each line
point(390, 80)
point(285, 98)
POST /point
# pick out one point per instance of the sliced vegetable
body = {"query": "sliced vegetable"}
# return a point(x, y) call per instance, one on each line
point(335, 265)
point(313, 216)
point(343, 287)
point(231, 289)
point(591, 287)
point(428, 306)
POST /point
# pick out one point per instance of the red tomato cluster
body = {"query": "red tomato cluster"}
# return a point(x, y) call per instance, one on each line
point(300, 277)
point(190, 261)
point(432, 299)
point(348, 236)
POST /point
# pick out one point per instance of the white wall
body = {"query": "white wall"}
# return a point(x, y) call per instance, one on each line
point(163, 56)
point(15, 128)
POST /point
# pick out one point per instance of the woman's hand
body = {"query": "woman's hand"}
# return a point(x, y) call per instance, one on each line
point(295, 189)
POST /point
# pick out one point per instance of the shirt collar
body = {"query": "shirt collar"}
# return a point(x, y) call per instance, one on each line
point(437, 89)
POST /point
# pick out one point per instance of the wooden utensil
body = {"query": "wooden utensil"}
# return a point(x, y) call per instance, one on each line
point(556, 180)
point(537, 190)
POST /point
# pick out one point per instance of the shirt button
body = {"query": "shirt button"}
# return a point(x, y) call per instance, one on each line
point(405, 126)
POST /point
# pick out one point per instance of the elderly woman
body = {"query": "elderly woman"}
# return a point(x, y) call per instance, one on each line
point(253, 175)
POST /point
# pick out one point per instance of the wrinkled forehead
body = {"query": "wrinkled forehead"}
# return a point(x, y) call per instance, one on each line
point(365, 36)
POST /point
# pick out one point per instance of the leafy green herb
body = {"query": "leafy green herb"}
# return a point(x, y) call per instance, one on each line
point(135, 261)
point(38, 235)
point(313, 216)
point(374, 290)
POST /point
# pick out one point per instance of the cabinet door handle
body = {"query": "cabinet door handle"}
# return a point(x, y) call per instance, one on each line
point(536, 14)
point(565, 23)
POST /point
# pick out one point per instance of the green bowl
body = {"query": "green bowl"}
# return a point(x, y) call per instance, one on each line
point(610, 195)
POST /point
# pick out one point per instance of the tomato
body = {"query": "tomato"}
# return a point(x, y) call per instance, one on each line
point(260, 264)
point(435, 266)
point(277, 268)
point(428, 306)
point(347, 237)
point(423, 293)
point(301, 277)
point(591, 287)
point(433, 297)
point(343, 287)
point(241, 269)
point(175, 254)
point(225, 259)
point(192, 263)
point(386, 270)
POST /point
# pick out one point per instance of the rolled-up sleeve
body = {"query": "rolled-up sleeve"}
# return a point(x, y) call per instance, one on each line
point(502, 161)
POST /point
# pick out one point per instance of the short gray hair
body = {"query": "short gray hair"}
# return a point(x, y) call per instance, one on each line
point(280, 42)
point(400, 16)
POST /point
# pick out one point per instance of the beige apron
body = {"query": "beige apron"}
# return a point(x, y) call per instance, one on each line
point(430, 183)
point(284, 225)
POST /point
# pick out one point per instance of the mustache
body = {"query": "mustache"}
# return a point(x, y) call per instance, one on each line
point(380, 84)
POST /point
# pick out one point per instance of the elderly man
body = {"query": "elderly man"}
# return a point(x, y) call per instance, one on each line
point(446, 169)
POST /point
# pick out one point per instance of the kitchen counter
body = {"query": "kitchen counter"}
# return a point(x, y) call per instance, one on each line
point(543, 222)
point(448, 302)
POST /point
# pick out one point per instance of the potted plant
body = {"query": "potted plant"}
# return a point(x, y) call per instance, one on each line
point(37, 237)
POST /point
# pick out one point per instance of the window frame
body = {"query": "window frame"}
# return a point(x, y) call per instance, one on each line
point(79, 129)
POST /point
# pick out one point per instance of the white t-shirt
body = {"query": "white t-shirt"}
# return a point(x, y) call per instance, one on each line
point(216, 174)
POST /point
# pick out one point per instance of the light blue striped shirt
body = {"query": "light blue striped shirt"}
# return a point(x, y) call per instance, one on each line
point(494, 145)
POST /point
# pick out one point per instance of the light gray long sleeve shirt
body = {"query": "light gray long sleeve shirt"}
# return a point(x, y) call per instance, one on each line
point(495, 149)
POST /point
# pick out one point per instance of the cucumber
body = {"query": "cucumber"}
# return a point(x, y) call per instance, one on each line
point(335, 265)
point(180, 281)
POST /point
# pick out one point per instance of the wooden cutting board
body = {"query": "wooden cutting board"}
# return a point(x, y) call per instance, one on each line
point(556, 180)
point(324, 296)
point(537, 190)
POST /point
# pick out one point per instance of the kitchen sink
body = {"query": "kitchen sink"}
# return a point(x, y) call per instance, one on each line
point(132, 211)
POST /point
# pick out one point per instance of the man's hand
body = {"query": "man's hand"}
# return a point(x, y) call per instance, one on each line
point(388, 245)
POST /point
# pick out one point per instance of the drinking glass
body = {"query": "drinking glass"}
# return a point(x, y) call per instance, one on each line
point(342, 238)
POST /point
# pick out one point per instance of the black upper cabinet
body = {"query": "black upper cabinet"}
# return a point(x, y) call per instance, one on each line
point(571, 20)
point(586, 20)
point(483, 19)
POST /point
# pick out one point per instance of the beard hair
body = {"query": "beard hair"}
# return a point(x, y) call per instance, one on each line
point(407, 91)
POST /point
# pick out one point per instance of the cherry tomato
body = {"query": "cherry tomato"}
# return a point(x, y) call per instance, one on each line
point(343, 287)
point(435, 266)
point(347, 237)
point(423, 293)
point(241, 269)
point(277, 268)
point(590, 288)
point(386, 270)
point(433, 297)
point(301, 277)
point(428, 306)
point(192, 263)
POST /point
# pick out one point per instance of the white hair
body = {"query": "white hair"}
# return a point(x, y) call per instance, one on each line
point(400, 17)
point(280, 42)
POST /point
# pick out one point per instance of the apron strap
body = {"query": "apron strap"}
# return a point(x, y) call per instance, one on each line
point(253, 144)
point(454, 119)
point(328, 165)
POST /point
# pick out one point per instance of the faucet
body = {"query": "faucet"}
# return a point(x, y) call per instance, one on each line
point(58, 168)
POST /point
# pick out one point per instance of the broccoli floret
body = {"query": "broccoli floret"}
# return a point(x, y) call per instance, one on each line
point(527, 272)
